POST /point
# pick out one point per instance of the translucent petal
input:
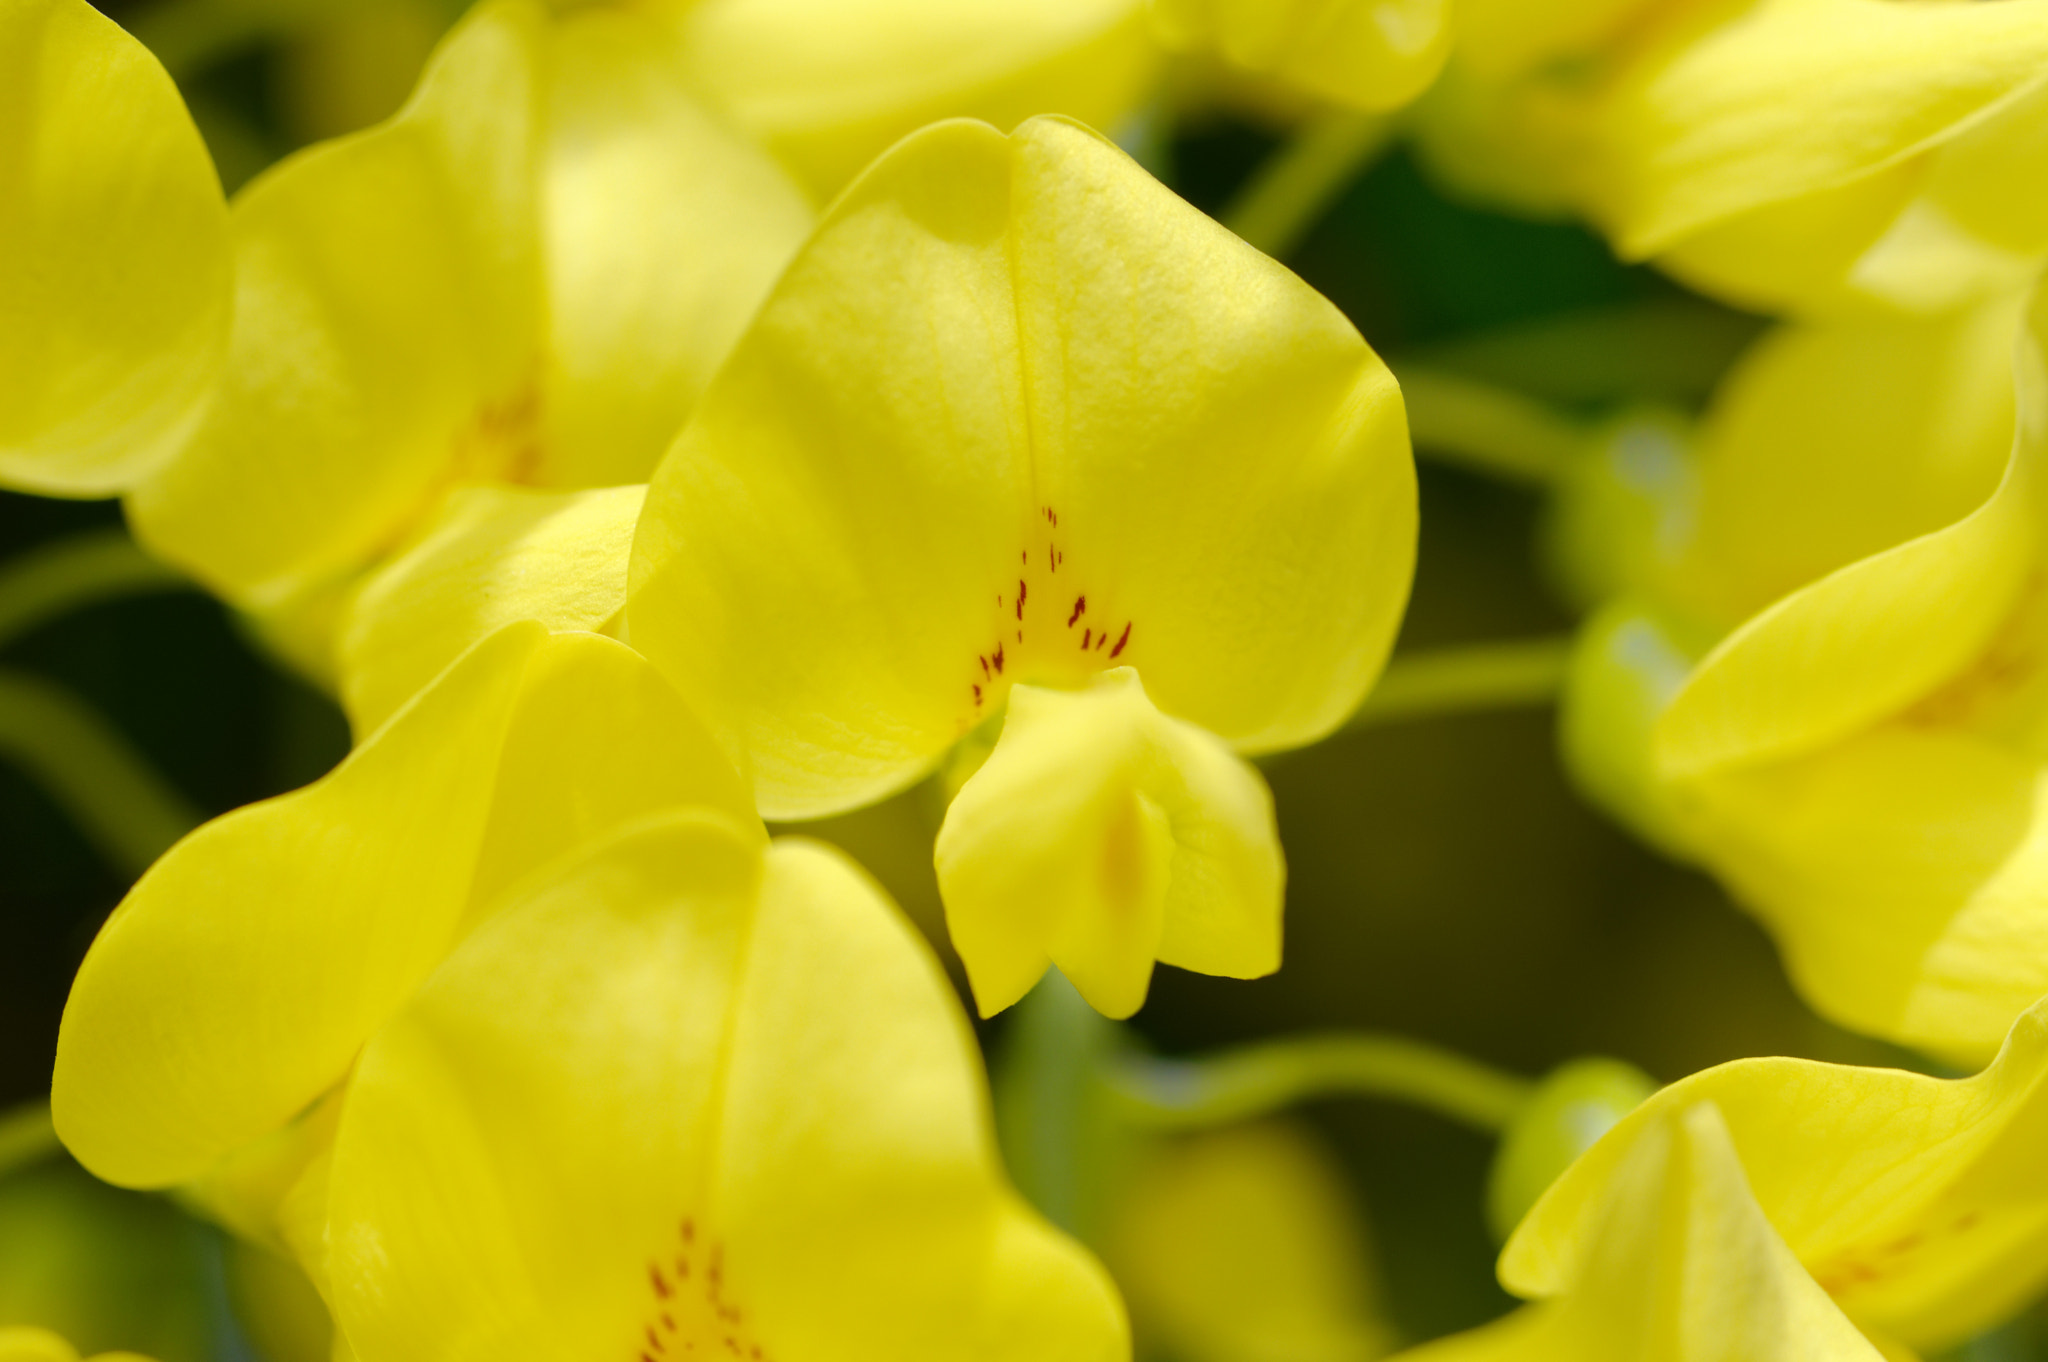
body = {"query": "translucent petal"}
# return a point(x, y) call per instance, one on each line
point(235, 984)
point(1106, 433)
point(1918, 1202)
point(1368, 54)
point(494, 555)
point(1674, 1261)
point(678, 1096)
point(113, 255)
point(1101, 835)
point(387, 305)
point(829, 85)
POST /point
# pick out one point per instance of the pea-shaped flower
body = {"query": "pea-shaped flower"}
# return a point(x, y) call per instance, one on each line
point(229, 995)
point(1020, 437)
point(1817, 1194)
point(114, 261)
point(1365, 54)
point(690, 1096)
point(521, 280)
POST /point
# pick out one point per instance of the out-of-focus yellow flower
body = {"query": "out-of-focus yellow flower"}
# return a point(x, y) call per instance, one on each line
point(828, 85)
point(1919, 1204)
point(1365, 54)
point(1858, 755)
point(114, 259)
point(236, 985)
point(1671, 1259)
point(1018, 415)
point(1236, 1246)
point(22, 1344)
point(525, 278)
point(691, 1096)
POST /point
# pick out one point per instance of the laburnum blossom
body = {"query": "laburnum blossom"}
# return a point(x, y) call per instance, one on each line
point(1764, 1206)
point(1785, 154)
point(689, 1095)
point(1364, 54)
point(114, 257)
point(1859, 757)
point(231, 992)
point(522, 280)
point(1020, 433)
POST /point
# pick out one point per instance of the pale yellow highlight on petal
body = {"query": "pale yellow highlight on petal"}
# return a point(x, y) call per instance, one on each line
point(830, 84)
point(664, 231)
point(387, 304)
point(1834, 441)
point(684, 1093)
point(1100, 835)
point(1367, 54)
point(114, 272)
point(1674, 1260)
point(493, 556)
point(1918, 1202)
point(1241, 1246)
point(24, 1343)
point(238, 980)
point(1106, 433)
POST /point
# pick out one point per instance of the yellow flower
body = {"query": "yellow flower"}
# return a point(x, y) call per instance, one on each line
point(1805, 153)
point(524, 278)
point(19, 1343)
point(1917, 1205)
point(114, 258)
point(1366, 54)
point(1018, 415)
point(233, 989)
point(688, 1096)
point(1857, 756)
point(1668, 1257)
point(1238, 1246)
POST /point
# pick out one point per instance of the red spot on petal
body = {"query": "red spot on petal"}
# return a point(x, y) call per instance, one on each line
point(1121, 641)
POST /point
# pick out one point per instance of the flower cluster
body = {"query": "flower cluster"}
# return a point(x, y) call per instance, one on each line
point(685, 419)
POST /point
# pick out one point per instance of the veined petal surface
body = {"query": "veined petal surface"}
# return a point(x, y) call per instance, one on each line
point(114, 261)
point(1017, 413)
point(237, 981)
point(686, 1097)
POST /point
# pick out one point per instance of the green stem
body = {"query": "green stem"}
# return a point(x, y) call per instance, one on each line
point(26, 1136)
point(85, 569)
point(1289, 194)
point(1257, 1079)
point(1525, 673)
point(1463, 421)
point(92, 773)
point(1049, 1113)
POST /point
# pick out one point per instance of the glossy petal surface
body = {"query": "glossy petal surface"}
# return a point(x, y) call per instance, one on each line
point(113, 255)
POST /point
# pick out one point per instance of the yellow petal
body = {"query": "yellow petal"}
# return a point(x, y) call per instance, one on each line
point(1833, 441)
point(1102, 432)
point(113, 255)
point(1918, 1202)
point(1241, 1245)
point(680, 1095)
point(830, 84)
point(663, 233)
point(1368, 54)
point(494, 555)
point(237, 981)
point(1674, 1261)
point(387, 305)
point(1805, 100)
point(22, 1343)
point(1100, 835)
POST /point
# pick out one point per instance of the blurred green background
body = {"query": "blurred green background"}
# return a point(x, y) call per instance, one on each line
point(1445, 881)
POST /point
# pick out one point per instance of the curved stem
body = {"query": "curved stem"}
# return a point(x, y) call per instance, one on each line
point(26, 1136)
point(85, 569)
point(93, 774)
point(1490, 430)
point(1289, 194)
point(1524, 673)
point(1256, 1079)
